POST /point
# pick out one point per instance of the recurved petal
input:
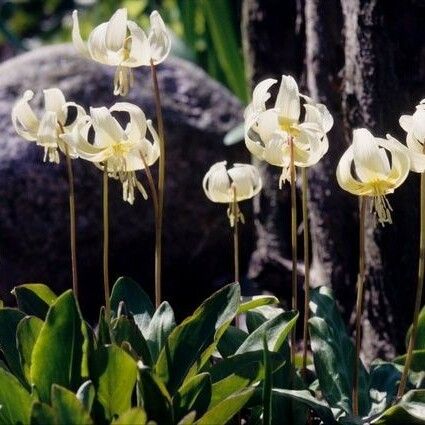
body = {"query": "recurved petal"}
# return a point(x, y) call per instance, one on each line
point(261, 94)
point(140, 48)
point(406, 122)
point(253, 141)
point(24, 120)
point(277, 151)
point(246, 179)
point(136, 128)
point(344, 176)
point(47, 134)
point(416, 156)
point(116, 30)
point(419, 125)
point(288, 99)
point(267, 125)
point(413, 143)
point(216, 183)
point(368, 160)
point(76, 36)
point(97, 46)
point(54, 101)
point(106, 127)
point(159, 40)
point(400, 159)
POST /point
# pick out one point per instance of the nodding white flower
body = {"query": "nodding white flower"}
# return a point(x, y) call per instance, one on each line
point(122, 43)
point(269, 132)
point(58, 117)
point(373, 167)
point(121, 149)
point(222, 185)
point(414, 126)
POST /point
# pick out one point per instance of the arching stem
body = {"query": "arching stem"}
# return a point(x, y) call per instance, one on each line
point(419, 290)
point(304, 177)
point(161, 186)
point(359, 303)
point(106, 242)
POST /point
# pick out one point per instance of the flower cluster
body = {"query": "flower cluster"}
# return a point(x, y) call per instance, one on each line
point(119, 148)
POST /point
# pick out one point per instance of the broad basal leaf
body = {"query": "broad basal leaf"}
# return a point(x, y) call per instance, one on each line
point(34, 299)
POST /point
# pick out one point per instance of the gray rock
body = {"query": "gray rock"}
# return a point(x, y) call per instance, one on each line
point(34, 244)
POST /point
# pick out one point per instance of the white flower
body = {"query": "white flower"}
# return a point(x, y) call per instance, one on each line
point(269, 132)
point(122, 43)
point(414, 125)
point(373, 167)
point(57, 118)
point(222, 185)
point(121, 149)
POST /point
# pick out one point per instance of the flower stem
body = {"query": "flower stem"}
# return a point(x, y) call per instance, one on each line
point(161, 186)
point(154, 194)
point(72, 221)
point(106, 243)
point(304, 176)
point(293, 244)
point(359, 304)
point(419, 289)
point(235, 235)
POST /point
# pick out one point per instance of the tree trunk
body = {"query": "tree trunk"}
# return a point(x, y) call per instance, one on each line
point(364, 60)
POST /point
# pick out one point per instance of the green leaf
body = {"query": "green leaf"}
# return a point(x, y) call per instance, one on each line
point(410, 410)
point(231, 340)
point(222, 412)
point(238, 372)
point(86, 394)
point(267, 385)
point(156, 399)
point(26, 335)
point(189, 419)
point(42, 414)
point(34, 299)
point(160, 328)
point(194, 395)
point(420, 332)
point(114, 374)
point(133, 416)
point(9, 320)
point(58, 355)
point(276, 331)
point(334, 354)
point(68, 409)
point(418, 360)
point(255, 318)
point(103, 330)
point(125, 330)
point(384, 380)
point(197, 333)
point(135, 299)
point(249, 303)
point(15, 400)
point(218, 16)
point(304, 396)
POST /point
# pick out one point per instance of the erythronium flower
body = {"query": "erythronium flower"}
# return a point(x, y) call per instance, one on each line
point(269, 132)
point(122, 43)
point(373, 167)
point(222, 185)
point(58, 117)
point(122, 150)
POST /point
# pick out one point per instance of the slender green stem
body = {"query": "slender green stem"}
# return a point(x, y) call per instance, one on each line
point(106, 243)
point(419, 289)
point(161, 185)
point(293, 244)
point(304, 176)
point(359, 304)
point(236, 235)
point(72, 221)
point(154, 194)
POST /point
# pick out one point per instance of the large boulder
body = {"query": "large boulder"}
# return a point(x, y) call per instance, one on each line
point(34, 237)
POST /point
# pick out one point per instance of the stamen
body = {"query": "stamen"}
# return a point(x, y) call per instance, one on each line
point(235, 216)
point(123, 80)
point(129, 183)
point(285, 176)
point(382, 209)
point(52, 154)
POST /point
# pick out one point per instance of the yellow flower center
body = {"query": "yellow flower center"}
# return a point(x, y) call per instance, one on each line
point(289, 126)
point(121, 149)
